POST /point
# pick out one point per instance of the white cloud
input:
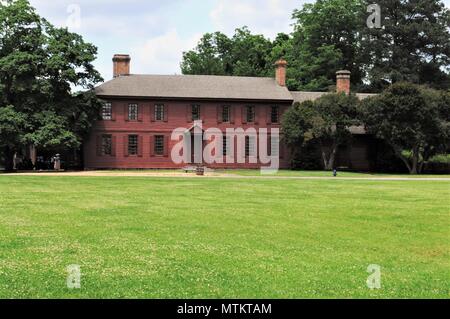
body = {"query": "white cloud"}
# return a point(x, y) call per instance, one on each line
point(162, 54)
point(268, 17)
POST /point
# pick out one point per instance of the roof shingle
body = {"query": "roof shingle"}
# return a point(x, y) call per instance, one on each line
point(195, 87)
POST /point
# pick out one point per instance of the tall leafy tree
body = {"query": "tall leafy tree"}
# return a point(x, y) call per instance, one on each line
point(413, 44)
point(39, 64)
point(244, 54)
point(326, 39)
point(326, 121)
point(414, 120)
point(334, 115)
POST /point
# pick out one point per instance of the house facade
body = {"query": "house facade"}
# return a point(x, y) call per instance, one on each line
point(141, 113)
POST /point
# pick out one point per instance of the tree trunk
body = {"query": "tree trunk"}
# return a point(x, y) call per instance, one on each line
point(324, 158)
point(328, 162)
point(332, 157)
point(399, 154)
point(415, 162)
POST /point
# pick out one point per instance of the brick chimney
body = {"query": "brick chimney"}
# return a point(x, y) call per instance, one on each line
point(121, 63)
point(343, 81)
point(280, 72)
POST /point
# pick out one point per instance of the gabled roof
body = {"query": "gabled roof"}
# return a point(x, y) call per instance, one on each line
point(195, 87)
point(299, 96)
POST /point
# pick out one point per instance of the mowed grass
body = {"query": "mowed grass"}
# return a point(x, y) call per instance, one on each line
point(137, 237)
point(291, 173)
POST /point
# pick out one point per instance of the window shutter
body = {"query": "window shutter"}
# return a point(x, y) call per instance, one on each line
point(232, 114)
point(166, 145)
point(189, 113)
point(113, 114)
point(166, 113)
point(125, 112)
point(99, 145)
point(256, 110)
point(152, 145)
point(202, 111)
point(269, 115)
point(244, 115)
point(140, 113)
point(219, 114)
point(152, 112)
point(140, 146)
point(125, 145)
point(113, 145)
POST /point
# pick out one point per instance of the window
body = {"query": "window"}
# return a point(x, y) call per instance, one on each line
point(250, 114)
point(225, 114)
point(159, 145)
point(133, 111)
point(225, 145)
point(195, 112)
point(132, 144)
point(159, 112)
point(249, 146)
point(274, 114)
point(106, 145)
point(107, 111)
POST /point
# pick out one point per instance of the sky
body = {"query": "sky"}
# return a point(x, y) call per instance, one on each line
point(155, 33)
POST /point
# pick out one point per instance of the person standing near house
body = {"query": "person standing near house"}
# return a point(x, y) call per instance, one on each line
point(56, 162)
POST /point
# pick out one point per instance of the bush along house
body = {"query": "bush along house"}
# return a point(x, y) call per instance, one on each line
point(141, 112)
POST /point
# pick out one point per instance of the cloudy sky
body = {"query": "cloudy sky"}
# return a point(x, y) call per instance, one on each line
point(155, 32)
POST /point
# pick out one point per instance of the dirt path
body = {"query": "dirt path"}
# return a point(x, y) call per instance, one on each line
point(219, 175)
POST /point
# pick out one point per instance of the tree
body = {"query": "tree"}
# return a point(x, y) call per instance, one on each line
point(326, 39)
point(39, 64)
point(326, 121)
point(413, 44)
point(295, 124)
point(414, 120)
point(245, 54)
point(334, 115)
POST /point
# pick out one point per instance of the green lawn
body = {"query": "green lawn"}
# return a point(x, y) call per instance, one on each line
point(290, 173)
point(223, 238)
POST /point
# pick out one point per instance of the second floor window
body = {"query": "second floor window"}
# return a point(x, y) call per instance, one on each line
point(195, 112)
point(133, 111)
point(133, 145)
point(274, 114)
point(250, 114)
point(226, 114)
point(107, 111)
point(106, 145)
point(159, 112)
point(159, 145)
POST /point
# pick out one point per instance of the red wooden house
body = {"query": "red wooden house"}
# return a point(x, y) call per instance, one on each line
point(141, 112)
